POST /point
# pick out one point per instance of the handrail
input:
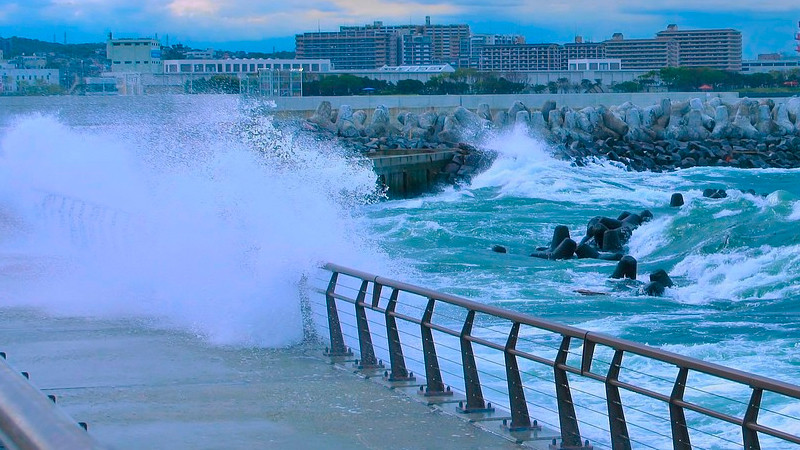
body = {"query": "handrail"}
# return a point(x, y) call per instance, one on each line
point(569, 423)
point(31, 421)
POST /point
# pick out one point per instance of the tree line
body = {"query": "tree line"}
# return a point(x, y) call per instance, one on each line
point(470, 81)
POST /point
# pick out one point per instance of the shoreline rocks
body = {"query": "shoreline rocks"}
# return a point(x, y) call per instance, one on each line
point(666, 136)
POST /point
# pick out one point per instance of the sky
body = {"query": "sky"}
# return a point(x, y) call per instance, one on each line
point(267, 25)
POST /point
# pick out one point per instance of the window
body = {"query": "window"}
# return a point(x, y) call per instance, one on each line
point(185, 68)
point(227, 67)
point(603, 66)
point(592, 66)
point(581, 66)
point(614, 66)
point(236, 67)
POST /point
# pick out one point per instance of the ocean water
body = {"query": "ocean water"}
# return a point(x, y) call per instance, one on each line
point(206, 213)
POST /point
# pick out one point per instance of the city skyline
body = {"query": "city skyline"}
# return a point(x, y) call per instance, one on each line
point(237, 25)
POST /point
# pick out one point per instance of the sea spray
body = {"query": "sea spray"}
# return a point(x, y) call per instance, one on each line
point(209, 226)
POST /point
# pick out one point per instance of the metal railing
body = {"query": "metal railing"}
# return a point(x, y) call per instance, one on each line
point(31, 420)
point(572, 355)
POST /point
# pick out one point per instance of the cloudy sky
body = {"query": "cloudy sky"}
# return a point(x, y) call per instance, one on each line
point(767, 26)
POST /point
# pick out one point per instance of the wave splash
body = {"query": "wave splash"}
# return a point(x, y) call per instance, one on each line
point(208, 226)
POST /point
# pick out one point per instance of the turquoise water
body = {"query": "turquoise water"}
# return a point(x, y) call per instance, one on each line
point(735, 262)
point(206, 215)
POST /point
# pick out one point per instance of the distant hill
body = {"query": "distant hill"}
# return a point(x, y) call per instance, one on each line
point(17, 46)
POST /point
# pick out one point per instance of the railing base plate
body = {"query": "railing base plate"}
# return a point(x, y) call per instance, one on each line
point(462, 410)
point(570, 447)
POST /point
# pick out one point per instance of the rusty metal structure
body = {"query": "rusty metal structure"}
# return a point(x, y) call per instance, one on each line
point(410, 325)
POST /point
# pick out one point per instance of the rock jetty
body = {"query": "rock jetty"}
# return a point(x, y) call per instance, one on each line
point(662, 137)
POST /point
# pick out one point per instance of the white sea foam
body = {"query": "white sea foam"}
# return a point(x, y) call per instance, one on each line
point(525, 168)
point(737, 275)
point(213, 234)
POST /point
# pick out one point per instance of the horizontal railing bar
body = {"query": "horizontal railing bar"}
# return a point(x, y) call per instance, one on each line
point(752, 380)
point(30, 420)
point(773, 432)
point(459, 301)
point(708, 412)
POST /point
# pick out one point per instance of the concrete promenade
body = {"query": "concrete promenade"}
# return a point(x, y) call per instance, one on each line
point(138, 386)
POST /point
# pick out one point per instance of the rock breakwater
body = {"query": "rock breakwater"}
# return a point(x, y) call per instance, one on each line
point(664, 136)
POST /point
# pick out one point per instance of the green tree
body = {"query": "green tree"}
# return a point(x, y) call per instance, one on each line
point(627, 86)
point(408, 87)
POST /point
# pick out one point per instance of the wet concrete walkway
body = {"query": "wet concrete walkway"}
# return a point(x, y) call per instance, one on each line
point(138, 386)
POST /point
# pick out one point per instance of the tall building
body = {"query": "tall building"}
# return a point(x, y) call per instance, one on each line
point(472, 47)
point(521, 57)
point(134, 55)
point(376, 45)
point(351, 47)
point(584, 50)
point(643, 54)
point(716, 48)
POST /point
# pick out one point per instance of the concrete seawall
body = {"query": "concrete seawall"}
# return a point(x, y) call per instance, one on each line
point(410, 172)
point(396, 103)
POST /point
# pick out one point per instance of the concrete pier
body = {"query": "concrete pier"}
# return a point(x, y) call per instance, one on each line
point(410, 172)
point(138, 386)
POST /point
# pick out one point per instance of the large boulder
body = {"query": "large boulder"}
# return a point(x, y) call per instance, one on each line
point(380, 125)
point(676, 128)
point(516, 107)
point(484, 112)
point(500, 119)
point(323, 116)
point(783, 125)
point(722, 123)
point(742, 123)
point(764, 123)
point(695, 128)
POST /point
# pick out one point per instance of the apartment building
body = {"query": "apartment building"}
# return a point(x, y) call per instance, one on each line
point(715, 48)
point(643, 54)
point(377, 45)
point(350, 48)
point(471, 50)
point(521, 58)
point(584, 50)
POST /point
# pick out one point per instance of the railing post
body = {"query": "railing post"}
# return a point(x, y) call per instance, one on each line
point(433, 376)
point(620, 440)
point(570, 434)
point(334, 326)
point(472, 382)
point(520, 419)
point(396, 359)
point(751, 417)
point(368, 360)
point(680, 433)
point(376, 293)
